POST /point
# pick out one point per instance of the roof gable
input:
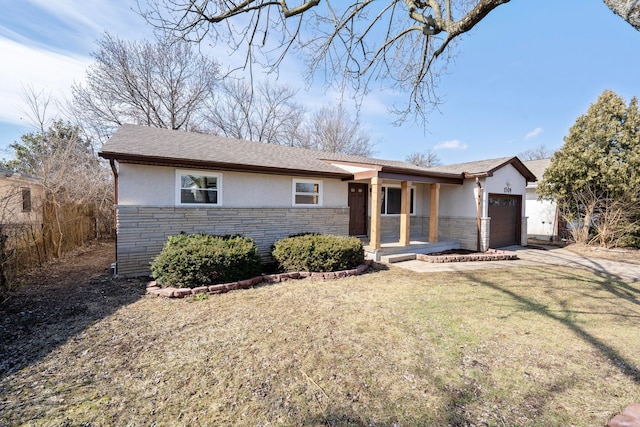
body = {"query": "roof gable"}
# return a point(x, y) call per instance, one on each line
point(487, 167)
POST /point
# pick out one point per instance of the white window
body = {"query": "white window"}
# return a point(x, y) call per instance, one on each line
point(392, 201)
point(198, 187)
point(307, 192)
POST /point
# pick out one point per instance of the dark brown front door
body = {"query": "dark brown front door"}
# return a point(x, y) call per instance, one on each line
point(357, 209)
point(505, 213)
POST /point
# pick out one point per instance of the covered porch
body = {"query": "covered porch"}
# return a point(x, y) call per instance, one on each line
point(376, 178)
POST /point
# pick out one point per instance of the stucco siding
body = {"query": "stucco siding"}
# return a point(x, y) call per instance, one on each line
point(12, 199)
point(458, 200)
point(157, 186)
point(143, 230)
point(146, 185)
point(506, 180)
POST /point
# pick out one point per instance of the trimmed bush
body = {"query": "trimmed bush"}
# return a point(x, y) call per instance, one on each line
point(191, 261)
point(318, 253)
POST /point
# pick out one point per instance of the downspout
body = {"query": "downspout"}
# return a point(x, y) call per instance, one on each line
point(479, 215)
point(112, 162)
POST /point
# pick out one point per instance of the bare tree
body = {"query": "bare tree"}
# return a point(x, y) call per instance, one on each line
point(537, 153)
point(332, 129)
point(163, 84)
point(629, 10)
point(395, 42)
point(64, 162)
point(267, 113)
point(425, 159)
point(402, 44)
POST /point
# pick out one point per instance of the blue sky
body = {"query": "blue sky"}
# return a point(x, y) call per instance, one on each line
point(519, 80)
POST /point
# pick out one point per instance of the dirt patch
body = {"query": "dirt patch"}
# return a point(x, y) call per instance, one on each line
point(54, 302)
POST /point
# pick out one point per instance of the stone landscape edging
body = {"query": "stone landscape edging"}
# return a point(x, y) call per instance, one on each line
point(489, 255)
point(154, 289)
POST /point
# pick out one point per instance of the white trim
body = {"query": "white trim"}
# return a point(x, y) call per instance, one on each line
point(295, 181)
point(178, 186)
point(415, 198)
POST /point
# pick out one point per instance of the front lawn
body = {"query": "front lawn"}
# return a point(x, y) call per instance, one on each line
point(517, 347)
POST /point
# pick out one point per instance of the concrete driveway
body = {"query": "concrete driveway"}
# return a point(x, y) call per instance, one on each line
point(529, 256)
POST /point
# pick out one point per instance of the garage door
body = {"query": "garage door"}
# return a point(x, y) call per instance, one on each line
point(504, 211)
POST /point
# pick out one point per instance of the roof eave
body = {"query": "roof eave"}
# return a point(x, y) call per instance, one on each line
point(221, 166)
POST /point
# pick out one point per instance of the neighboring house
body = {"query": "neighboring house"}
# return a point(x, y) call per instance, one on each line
point(169, 182)
point(542, 215)
point(20, 197)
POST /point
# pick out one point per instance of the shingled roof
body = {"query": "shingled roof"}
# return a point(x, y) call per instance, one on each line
point(154, 146)
point(537, 167)
point(487, 167)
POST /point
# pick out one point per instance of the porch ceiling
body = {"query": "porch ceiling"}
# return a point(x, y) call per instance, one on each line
point(409, 176)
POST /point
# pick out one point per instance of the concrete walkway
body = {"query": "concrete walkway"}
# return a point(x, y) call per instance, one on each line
point(528, 256)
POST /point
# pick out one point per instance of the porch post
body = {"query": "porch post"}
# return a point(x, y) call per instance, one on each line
point(376, 201)
point(405, 212)
point(434, 212)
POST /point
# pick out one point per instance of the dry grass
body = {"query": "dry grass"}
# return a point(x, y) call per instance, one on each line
point(628, 255)
point(516, 347)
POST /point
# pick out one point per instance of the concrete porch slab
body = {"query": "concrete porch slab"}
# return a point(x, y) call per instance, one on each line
point(416, 246)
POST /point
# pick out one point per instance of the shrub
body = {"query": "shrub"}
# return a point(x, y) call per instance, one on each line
point(197, 260)
point(320, 253)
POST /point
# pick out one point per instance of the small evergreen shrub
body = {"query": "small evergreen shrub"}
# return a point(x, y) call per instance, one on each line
point(190, 261)
point(319, 253)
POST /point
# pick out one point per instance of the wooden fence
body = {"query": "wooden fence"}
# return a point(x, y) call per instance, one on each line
point(23, 246)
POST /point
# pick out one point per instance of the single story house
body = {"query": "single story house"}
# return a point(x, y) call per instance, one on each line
point(167, 182)
point(543, 219)
point(20, 198)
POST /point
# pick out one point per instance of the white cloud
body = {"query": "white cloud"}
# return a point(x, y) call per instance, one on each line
point(92, 18)
point(533, 133)
point(453, 144)
point(29, 66)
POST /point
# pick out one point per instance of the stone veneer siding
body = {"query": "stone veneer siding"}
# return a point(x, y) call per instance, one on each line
point(464, 229)
point(143, 230)
point(390, 226)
